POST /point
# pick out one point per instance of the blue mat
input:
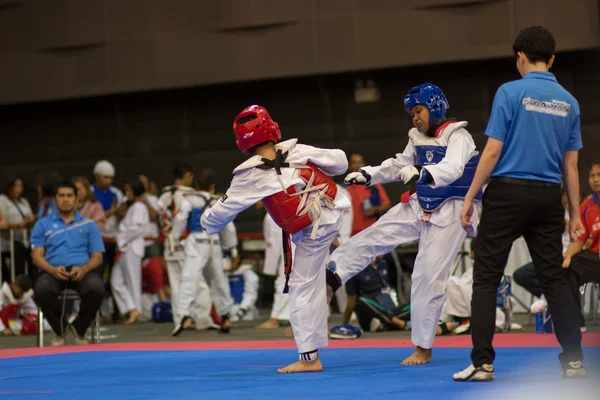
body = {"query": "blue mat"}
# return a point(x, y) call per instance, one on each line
point(251, 374)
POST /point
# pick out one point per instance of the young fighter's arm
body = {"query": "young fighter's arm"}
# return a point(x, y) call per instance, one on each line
point(331, 161)
point(180, 217)
point(241, 195)
point(575, 247)
point(388, 171)
point(459, 152)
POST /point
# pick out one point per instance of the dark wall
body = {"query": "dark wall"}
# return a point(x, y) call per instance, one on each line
point(58, 49)
point(151, 131)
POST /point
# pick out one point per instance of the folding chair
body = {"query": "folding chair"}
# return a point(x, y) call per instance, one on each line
point(68, 294)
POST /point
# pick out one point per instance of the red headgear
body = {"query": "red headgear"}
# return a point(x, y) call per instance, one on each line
point(254, 126)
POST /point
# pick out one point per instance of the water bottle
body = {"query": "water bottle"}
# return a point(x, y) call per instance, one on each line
point(374, 198)
point(543, 322)
point(539, 323)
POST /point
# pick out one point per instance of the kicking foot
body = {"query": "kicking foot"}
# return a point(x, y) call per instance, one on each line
point(419, 357)
point(289, 332)
point(302, 366)
point(271, 323)
point(133, 317)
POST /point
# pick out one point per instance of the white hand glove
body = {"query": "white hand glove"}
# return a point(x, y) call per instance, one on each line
point(408, 174)
point(355, 178)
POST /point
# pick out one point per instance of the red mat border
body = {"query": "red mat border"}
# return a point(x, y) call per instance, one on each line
point(591, 339)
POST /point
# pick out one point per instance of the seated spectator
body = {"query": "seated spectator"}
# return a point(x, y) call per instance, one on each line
point(16, 302)
point(66, 247)
point(244, 289)
point(87, 204)
point(369, 296)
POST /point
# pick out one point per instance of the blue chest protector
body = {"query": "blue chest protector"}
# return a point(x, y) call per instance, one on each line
point(430, 198)
point(193, 221)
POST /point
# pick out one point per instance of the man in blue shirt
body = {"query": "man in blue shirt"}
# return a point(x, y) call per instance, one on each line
point(533, 132)
point(66, 247)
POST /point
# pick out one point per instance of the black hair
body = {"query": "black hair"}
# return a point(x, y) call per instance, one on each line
point(137, 187)
point(181, 169)
point(205, 178)
point(595, 163)
point(537, 43)
point(24, 282)
point(11, 184)
point(48, 181)
point(65, 184)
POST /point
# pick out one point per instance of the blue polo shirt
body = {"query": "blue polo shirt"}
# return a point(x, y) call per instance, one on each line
point(104, 197)
point(537, 120)
point(67, 244)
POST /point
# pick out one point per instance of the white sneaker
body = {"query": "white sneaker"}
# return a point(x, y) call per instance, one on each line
point(574, 369)
point(485, 373)
point(58, 341)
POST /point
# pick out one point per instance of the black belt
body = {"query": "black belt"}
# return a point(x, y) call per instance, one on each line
point(201, 240)
point(526, 182)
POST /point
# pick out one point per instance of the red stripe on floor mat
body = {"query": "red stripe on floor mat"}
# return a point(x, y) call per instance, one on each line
point(591, 339)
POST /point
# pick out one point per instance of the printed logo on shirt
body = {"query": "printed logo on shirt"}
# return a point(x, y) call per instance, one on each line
point(555, 107)
point(429, 156)
point(223, 198)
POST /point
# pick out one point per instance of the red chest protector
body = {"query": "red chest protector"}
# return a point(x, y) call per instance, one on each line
point(286, 207)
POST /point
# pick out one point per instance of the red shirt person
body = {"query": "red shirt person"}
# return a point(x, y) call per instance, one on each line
point(585, 264)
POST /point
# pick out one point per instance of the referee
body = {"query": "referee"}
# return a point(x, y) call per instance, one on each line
point(533, 131)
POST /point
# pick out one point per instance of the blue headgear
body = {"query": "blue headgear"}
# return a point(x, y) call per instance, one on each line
point(431, 97)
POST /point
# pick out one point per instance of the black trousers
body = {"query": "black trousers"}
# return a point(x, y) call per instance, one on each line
point(90, 289)
point(534, 210)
